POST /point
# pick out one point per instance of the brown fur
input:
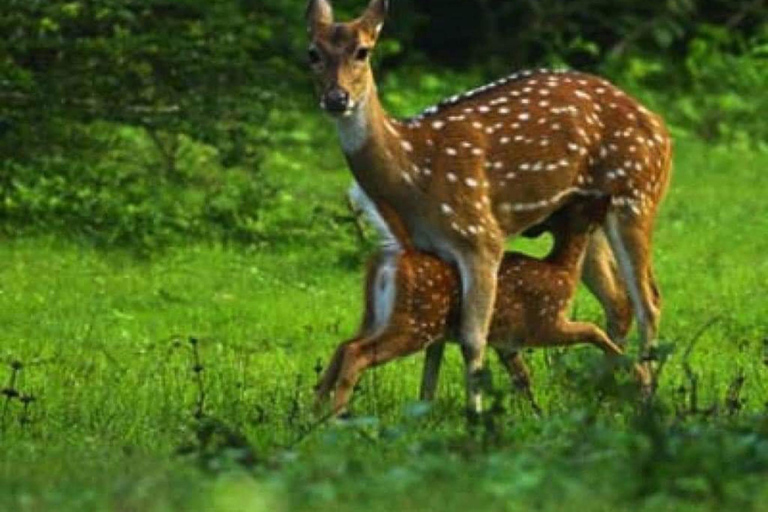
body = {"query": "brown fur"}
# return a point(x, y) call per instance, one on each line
point(532, 309)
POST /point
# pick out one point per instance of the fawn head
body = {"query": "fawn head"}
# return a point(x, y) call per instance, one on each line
point(586, 214)
point(581, 216)
point(339, 54)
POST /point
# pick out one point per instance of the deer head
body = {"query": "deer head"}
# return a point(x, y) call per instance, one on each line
point(339, 55)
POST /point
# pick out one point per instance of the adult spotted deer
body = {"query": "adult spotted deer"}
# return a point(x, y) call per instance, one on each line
point(412, 302)
point(481, 167)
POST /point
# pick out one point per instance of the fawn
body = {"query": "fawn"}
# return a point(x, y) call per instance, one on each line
point(412, 302)
point(481, 167)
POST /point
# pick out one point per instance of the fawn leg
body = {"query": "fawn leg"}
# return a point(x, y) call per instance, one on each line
point(327, 381)
point(517, 370)
point(569, 333)
point(361, 354)
point(433, 359)
point(654, 289)
point(331, 374)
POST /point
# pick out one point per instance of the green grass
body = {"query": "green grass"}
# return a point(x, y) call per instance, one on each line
point(103, 338)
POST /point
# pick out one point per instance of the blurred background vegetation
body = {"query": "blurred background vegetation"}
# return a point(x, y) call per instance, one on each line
point(145, 123)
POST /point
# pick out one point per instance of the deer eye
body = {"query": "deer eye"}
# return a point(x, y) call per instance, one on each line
point(362, 53)
point(314, 56)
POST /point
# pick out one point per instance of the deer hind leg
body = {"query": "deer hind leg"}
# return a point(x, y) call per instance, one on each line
point(602, 276)
point(360, 354)
point(630, 239)
point(478, 279)
point(433, 359)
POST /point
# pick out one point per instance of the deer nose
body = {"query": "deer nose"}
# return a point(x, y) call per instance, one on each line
point(336, 100)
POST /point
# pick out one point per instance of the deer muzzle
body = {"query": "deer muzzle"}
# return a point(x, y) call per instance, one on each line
point(336, 101)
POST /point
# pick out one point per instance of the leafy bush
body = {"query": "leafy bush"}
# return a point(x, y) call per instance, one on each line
point(190, 67)
point(133, 123)
point(727, 86)
point(125, 192)
point(716, 94)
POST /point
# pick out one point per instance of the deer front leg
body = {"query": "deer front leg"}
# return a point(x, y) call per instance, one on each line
point(433, 359)
point(478, 271)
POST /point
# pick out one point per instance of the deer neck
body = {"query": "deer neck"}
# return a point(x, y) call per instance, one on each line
point(375, 148)
point(568, 251)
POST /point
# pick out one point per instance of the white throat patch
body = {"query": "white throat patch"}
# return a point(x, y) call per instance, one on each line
point(353, 129)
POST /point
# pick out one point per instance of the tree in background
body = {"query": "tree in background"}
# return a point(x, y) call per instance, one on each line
point(75, 74)
point(184, 66)
point(138, 121)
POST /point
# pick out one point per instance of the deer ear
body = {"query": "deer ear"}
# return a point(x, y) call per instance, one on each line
point(374, 16)
point(319, 12)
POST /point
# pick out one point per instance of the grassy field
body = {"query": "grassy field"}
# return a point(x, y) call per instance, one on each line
point(106, 368)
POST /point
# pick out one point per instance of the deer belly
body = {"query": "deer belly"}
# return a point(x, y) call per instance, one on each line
point(529, 202)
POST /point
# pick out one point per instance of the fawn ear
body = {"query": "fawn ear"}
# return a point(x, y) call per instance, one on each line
point(319, 12)
point(374, 16)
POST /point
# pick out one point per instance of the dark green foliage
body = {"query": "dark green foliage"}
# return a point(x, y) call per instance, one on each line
point(498, 35)
point(193, 67)
point(121, 193)
point(714, 92)
point(145, 122)
point(728, 79)
point(196, 79)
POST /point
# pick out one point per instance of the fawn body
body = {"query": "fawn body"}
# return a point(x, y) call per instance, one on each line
point(413, 302)
point(484, 166)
